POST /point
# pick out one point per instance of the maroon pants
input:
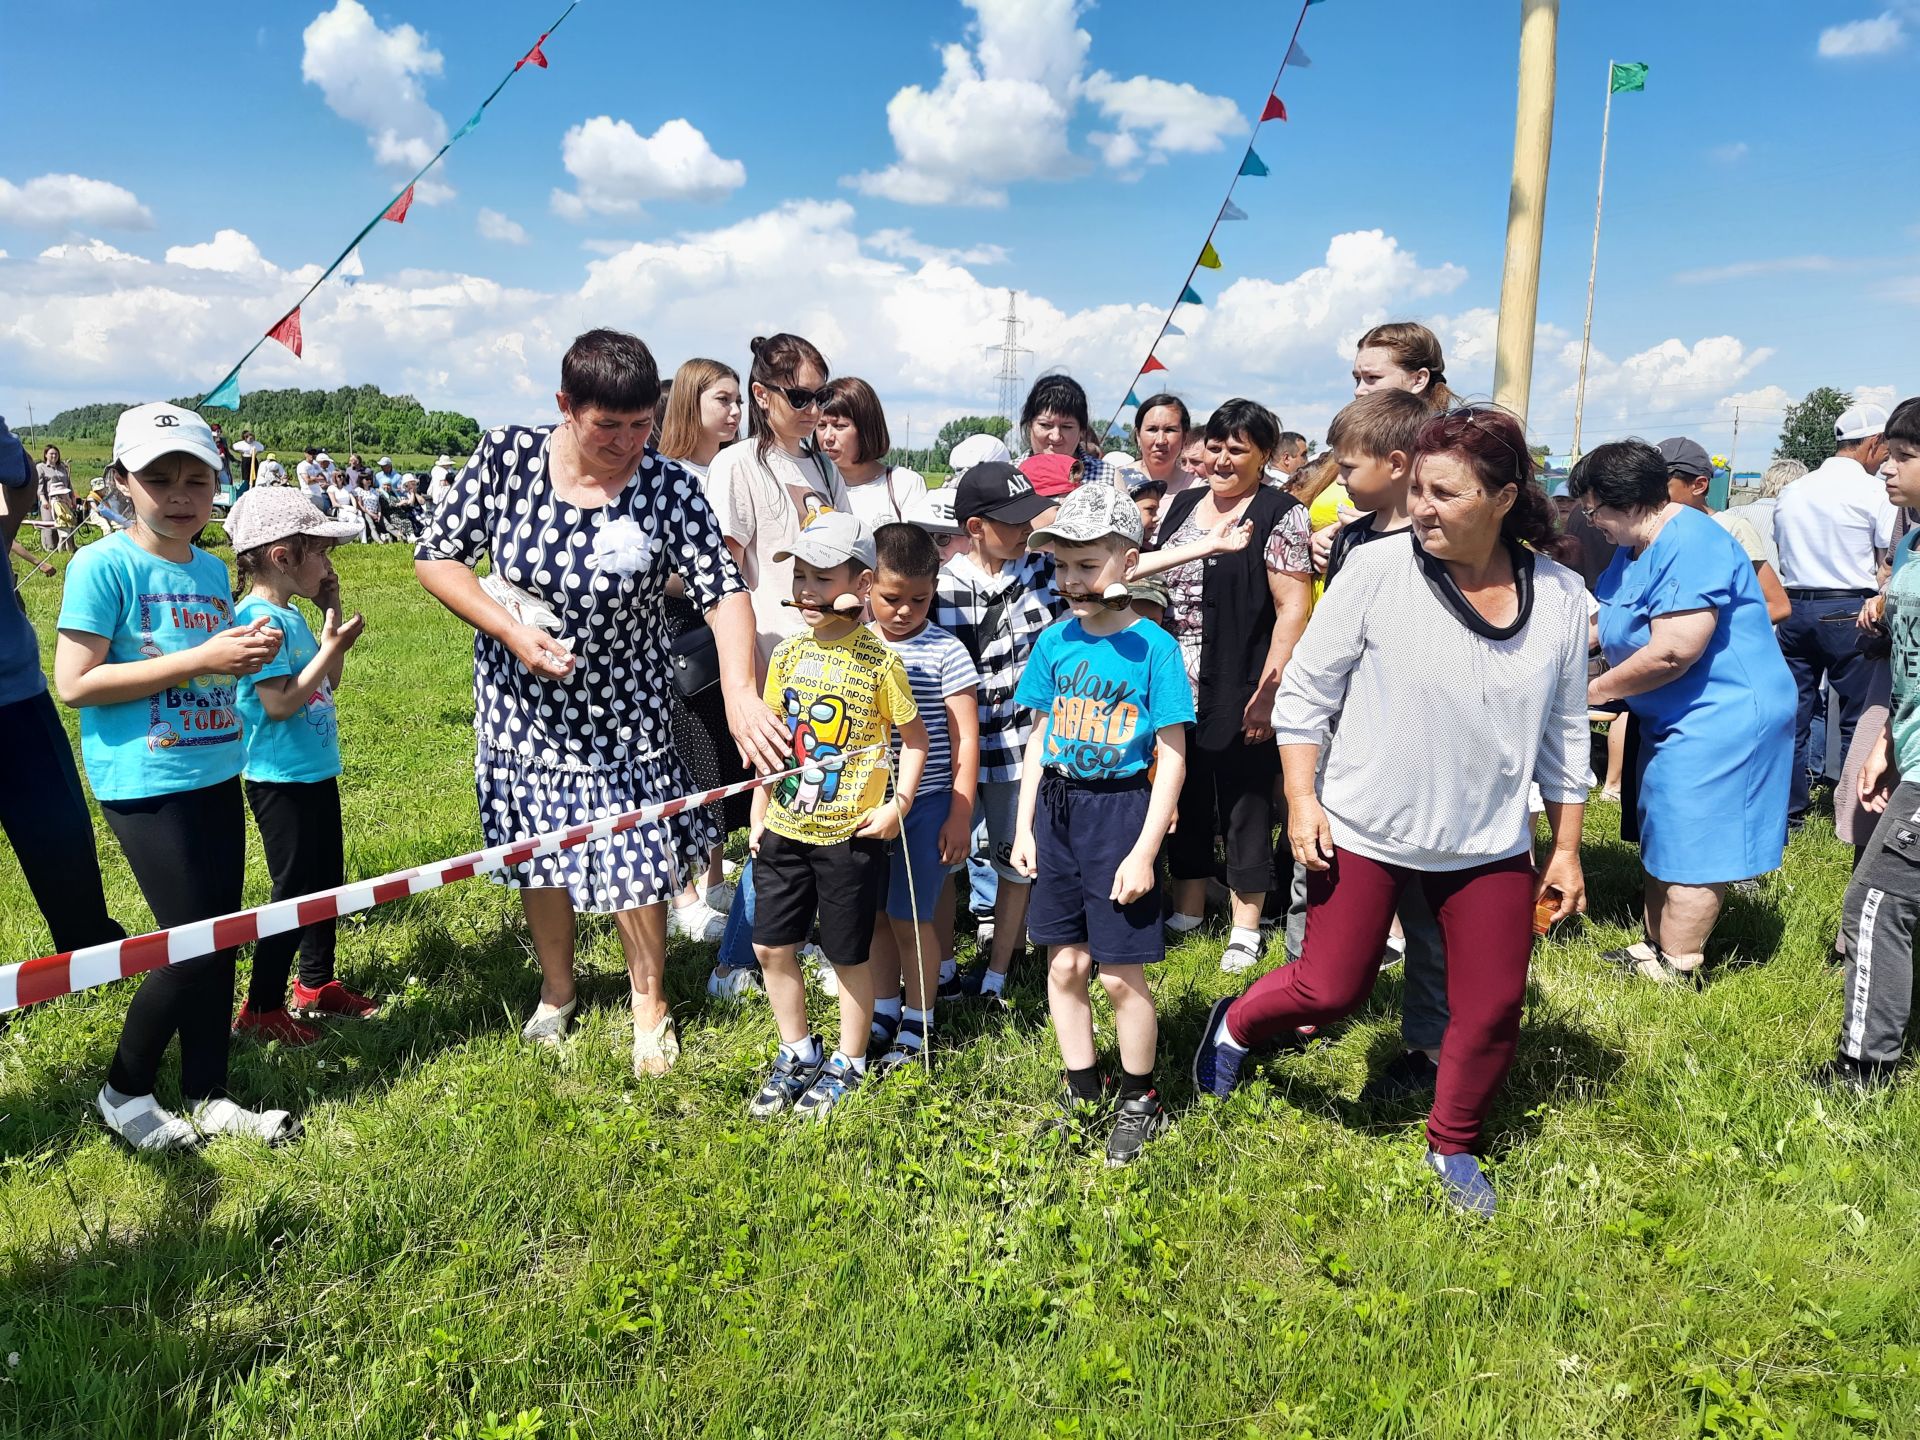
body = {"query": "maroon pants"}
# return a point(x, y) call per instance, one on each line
point(1486, 921)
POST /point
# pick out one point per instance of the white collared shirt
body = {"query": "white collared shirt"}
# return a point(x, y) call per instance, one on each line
point(1828, 525)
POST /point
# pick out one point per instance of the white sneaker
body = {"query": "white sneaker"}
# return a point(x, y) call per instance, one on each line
point(698, 922)
point(719, 897)
point(735, 984)
point(814, 956)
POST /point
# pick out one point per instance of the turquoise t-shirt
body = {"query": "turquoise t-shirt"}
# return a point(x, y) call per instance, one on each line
point(305, 747)
point(1105, 696)
point(185, 737)
point(1903, 624)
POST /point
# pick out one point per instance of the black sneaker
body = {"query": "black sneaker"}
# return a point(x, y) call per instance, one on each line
point(884, 1028)
point(1076, 1119)
point(1139, 1120)
point(1408, 1076)
point(1863, 1077)
point(789, 1080)
point(898, 1055)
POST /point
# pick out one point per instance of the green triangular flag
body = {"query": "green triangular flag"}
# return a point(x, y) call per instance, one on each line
point(1190, 296)
point(226, 394)
point(1631, 76)
point(1210, 257)
point(1253, 165)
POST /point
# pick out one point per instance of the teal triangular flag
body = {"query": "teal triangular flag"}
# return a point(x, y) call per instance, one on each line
point(1231, 211)
point(226, 394)
point(464, 129)
point(1190, 296)
point(1133, 400)
point(1173, 330)
point(1253, 165)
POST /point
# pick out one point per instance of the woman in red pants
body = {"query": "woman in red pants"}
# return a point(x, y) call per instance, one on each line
point(1444, 673)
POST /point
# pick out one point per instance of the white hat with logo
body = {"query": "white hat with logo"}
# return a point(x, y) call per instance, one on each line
point(144, 433)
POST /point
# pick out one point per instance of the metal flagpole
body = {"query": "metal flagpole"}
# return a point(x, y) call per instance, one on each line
point(1593, 270)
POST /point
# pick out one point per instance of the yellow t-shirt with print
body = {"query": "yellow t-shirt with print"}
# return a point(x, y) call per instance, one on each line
point(837, 697)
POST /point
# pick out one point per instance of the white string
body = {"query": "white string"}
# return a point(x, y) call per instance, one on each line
point(913, 906)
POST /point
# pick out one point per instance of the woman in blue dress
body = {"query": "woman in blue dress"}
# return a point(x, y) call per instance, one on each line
point(1691, 653)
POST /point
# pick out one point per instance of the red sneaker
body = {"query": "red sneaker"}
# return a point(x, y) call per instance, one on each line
point(333, 998)
point(265, 1025)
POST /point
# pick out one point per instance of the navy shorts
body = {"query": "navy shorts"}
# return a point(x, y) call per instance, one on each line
point(1082, 830)
point(917, 849)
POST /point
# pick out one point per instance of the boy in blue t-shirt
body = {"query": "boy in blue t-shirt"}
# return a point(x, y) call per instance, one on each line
point(1098, 789)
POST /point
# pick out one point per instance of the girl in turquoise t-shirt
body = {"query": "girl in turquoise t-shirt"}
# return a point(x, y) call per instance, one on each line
point(147, 654)
point(293, 752)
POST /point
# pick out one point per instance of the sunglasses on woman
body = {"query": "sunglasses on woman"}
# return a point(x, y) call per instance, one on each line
point(798, 396)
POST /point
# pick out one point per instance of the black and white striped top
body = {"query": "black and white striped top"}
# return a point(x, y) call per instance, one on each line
point(1438, 723)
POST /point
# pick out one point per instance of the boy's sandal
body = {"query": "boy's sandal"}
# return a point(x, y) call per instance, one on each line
point(223, 1117)
point(550, 1028)
point(655, 1050)
point(145, 1125)
point(1238, 956)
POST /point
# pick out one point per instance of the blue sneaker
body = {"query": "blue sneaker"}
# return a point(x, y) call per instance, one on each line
point(1216, 1068)
point(790, 1080)
point(834, 1083)
point(1462, 1183)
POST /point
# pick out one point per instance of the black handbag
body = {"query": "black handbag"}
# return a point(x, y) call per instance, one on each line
point(696, 660)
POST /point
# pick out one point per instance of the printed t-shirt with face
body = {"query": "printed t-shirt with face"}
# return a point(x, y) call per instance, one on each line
point(186, 736)
point(837, 697)
point(1105, 696)
point(305, 747)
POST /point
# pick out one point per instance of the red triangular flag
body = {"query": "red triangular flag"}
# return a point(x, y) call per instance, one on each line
point(534, 56)
point(287, 332)
point(1147, 369)
point(1275, 110)
point(397, 211)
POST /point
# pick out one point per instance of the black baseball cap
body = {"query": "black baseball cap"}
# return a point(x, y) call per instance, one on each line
point(995, 490)
point(1686, 457)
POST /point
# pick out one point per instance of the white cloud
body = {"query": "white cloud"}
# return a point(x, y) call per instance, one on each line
point(228, 251)
point(373, 77)
point(492, 225)
point(1730, 152)
point(1878, 36)
point(89, 252)
point(62, 202)
point(616, 169)
point(1748, 269)
point(1173, 118)
point(902, 245)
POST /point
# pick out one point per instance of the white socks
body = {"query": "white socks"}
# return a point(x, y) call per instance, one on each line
point(805, 1052)
point(889, 1007)
point(855, 1063)
point(1180, 924)
point(1243, 936)
point(921, 1021)
point(1224, 1036)
point(993, 982)
point(948, 969)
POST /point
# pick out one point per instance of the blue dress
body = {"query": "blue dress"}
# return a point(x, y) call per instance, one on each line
point(1718, 741)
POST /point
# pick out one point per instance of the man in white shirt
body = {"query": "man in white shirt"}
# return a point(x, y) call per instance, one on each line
point(1834, 529)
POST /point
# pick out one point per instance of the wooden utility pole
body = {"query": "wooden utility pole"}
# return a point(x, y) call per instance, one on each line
point(1526, 205)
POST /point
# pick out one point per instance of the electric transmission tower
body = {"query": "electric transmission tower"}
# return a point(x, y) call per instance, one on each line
point(1012, 386)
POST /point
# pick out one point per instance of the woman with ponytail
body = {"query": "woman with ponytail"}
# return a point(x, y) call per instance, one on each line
point(1403, 355)
point(1462, 650)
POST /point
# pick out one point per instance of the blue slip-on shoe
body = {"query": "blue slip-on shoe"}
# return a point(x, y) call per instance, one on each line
point(1216, 1067)
point(1462, 1183)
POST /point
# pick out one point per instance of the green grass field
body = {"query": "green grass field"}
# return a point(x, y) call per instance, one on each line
point(481, 1240)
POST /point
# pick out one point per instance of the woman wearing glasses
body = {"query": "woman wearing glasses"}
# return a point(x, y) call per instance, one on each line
point(1693, 655)
point(763, 491)
point(1463, 646)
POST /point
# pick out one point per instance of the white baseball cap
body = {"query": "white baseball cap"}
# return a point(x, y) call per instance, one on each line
point(933, 512)
point(147, 432)
point(977, 450)
point(386, 460)
point(1860, 422)
point(832, 538)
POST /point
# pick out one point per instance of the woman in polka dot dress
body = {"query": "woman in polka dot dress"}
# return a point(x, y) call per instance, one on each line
point(583, 522)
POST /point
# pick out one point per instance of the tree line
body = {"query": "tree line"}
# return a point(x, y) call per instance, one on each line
point(361, 417)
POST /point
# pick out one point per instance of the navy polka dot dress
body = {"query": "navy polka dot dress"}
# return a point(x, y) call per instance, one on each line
point(554, 753)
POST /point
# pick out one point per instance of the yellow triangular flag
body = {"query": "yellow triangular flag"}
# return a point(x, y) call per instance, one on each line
point(1210, 257)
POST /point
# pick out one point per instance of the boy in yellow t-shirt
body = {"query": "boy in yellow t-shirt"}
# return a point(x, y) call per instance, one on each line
point(820, 836)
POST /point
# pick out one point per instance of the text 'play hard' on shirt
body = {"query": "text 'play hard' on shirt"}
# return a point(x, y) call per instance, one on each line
point(841, 699)
point(185, 736)
point(1105, 696)
point(305, 747)
point(938, 668)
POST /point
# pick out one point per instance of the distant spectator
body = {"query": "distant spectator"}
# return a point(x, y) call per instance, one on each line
point(440, 480)
point(247, 452)
point(1778, 475)
point(56, 501)
point(272, 472)
point(1689, 477)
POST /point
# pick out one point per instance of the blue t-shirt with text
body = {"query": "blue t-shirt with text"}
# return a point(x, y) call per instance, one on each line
point(185, 736)
point(305, 747)
point(1105, 696)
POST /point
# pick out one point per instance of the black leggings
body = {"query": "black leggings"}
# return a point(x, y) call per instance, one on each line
point(1226, 793)
point(189, 853)
point(300, 831)
point(44, 812)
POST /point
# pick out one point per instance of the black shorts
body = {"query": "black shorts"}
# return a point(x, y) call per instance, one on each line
point(1082, 830)
point(842, 885)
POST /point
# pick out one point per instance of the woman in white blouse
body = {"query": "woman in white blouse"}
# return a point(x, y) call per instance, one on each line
point(1461, 646)
point(853, 433)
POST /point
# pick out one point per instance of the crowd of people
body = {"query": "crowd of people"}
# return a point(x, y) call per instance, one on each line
point(1086, 700)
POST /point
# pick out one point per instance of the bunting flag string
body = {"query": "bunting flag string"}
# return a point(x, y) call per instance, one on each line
point(286, 329)
point(1251, 167)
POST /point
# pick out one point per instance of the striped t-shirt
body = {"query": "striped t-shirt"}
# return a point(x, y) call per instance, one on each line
point(938, 667)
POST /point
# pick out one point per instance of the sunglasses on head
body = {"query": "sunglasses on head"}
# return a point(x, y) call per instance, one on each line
point(798, 396)
point(1481, 418)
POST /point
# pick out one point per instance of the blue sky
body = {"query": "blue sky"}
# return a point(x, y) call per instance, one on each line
point(700, 175)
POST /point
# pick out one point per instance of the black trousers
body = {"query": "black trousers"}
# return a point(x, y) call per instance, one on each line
point(189, 853)
point(44, 812)
point(300, 831)
point(1228, 794)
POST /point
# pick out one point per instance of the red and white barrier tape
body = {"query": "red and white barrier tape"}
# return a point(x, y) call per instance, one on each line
point(28, 982)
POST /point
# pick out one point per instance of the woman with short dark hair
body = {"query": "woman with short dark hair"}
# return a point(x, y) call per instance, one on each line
point(1692, 654)
point(1054, 421)
point(582, 524)
point(853, 433)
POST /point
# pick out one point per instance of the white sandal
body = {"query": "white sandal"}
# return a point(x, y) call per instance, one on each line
point(550, 1028)
point(223, 1117)
point(143, 1123)
point(655, 1051)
